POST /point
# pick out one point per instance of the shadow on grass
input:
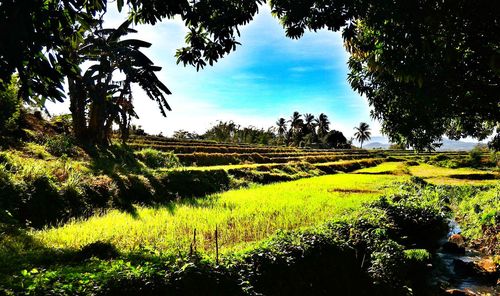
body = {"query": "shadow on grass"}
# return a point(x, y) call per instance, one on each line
point(485, 176)
point(19, 250)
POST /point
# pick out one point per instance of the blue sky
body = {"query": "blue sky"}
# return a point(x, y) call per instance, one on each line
point(267, 77)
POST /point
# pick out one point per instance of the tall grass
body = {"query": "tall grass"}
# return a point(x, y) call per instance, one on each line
point(241, 216)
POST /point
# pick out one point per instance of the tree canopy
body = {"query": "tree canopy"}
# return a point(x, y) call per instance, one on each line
point(427, 68)
point(34, 48)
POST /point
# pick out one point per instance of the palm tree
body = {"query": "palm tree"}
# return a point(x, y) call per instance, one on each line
point(362, 133)
point(296, 121)
point(296, 126)
point(281, 123)
point(323, 125)
point(309, 123)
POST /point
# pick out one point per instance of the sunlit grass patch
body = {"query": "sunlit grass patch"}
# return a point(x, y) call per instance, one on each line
point(243, 215)
point(427, 170)
point(396, 168)
point(460, 176)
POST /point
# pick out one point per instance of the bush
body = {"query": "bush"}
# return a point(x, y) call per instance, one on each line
point(209, 148)
point(61, 144)
point(475, 156)
point(41, 204)
point(480, 212)
point(415, 221)
point(62, 123)
point(348, 166)
point(158, 159)
point(99, 249)
point(495, 158)
point(37, 150)
point(9, 195)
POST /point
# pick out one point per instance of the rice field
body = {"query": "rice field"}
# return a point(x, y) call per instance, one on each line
point(385, 168)
point(241, 216)
point(459, 176)
point(246, 215)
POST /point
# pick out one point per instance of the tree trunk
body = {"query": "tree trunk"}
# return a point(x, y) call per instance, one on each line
point(97, 118)
point(77, 107)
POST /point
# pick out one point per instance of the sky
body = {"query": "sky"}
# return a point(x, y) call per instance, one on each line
point(269, 76)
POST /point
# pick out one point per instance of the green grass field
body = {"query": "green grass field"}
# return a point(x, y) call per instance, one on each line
point(244, 215)
point(460, 176)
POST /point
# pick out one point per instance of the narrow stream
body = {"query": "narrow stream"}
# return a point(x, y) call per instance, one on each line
point(445, 271)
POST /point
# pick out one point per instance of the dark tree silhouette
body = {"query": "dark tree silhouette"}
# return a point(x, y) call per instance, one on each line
point(323, 125)
point(309, 124)
point(97, 99)
point(335, 139)
point(281, 124)
point(362, 133)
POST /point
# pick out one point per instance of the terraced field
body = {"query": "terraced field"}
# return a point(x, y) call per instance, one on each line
point(203, 153)
point(130, 217)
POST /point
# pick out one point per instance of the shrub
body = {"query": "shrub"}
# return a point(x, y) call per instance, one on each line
point(209, 148)
point(61, 144)
point(411, 163)
point(9, 195)
point(40, 204)
point(62, 123)
point(387, 264)
point(347, 166)
point(99, 249)
point(495, 158)
point(479, 212)
point(158, 159)
point(439, 157)
point(415, 221)
point(475, 156)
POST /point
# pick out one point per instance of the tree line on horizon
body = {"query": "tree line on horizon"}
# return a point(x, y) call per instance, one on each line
point(300, 130)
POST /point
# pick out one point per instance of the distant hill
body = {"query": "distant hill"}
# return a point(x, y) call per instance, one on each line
point(376, 145)
point(448, 145)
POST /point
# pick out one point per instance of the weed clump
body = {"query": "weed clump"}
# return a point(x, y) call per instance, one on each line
point(61, 144)
point(158, 159)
